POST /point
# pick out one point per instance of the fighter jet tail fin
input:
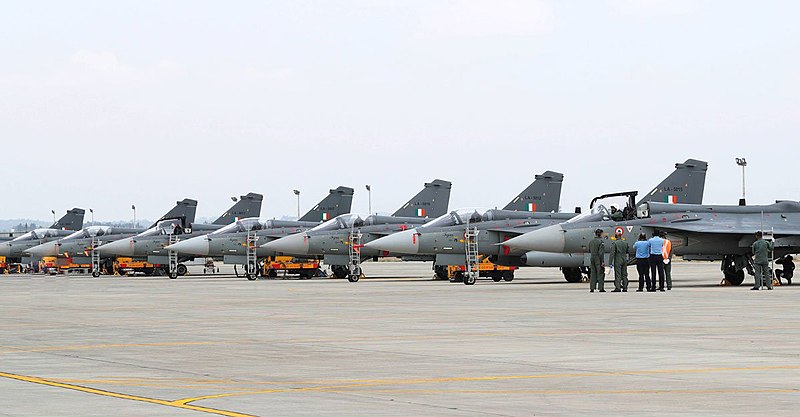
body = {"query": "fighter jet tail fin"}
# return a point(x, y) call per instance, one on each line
point(544, 194)
point(338, 201)
point(247, 206)
point(685, 185)
point(184, 210)
point(73, 220)
point(431, 202)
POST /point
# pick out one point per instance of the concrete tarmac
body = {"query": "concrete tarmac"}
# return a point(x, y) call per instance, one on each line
point(395, 344)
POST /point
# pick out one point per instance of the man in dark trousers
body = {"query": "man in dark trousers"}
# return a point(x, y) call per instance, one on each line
point(597, 264)
point(657, 260)
point(642, 249)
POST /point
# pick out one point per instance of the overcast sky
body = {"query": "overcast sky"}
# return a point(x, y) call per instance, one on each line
point(106, 104)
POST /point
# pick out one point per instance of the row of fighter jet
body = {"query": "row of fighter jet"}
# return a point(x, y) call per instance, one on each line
point(528, 231)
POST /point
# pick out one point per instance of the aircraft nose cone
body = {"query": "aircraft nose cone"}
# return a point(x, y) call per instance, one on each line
point(548, 239)
point(400, 242)
point(45, 249)
point(122, 247)
point(194, 246)
point(296, 244)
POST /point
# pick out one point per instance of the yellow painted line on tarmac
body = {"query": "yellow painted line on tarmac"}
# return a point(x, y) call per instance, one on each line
point(336, 386)
point(9, 349)
point(105, 393)
point(585, 392)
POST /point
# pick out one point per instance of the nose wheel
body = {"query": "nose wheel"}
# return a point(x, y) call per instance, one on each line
point(470, 278)
point(355, 273)
point(251, 272)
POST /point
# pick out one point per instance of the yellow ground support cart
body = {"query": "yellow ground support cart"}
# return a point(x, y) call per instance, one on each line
point(486, 269)
point(303, 268)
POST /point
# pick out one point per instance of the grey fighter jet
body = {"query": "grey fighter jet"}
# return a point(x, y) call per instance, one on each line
point(449, 237)
point(697, 232)
point(444, 238)
point(150, 244)
point(79, 244)
point(340, 241)
point(14, 249)
point(685, 185)
point(236, 242)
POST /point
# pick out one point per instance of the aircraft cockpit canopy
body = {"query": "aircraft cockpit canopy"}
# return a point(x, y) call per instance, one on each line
point(613, 207)
point(89, 232)
point(340, 222)
point(36, 234)
point(456, 218)
point(164, 227)
point(244, 225)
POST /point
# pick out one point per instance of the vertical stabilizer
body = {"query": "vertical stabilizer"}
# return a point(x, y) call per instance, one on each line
point(73, 220)
point(338, 201)
point(184, 209)
point(685, 185)
point(431, 202)
point(248, 206)
point(544, 194)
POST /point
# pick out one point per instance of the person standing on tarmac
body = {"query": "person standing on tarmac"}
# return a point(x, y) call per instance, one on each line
point(597, 264)
point(657, 261)
point(761, 250)
point(642, 249)
point(619, 261)
point(667, 253)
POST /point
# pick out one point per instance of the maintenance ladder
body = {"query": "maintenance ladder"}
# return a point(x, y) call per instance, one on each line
point(252, 257)
point(95, 257)
point(172, 257)
point(472, 267)
point(354, 252)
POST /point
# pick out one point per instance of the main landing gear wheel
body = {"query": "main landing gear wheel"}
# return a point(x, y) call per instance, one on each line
point(440, 271)
point(340, 271)
point(181, 269)
point(734, 277)
point(572, 275)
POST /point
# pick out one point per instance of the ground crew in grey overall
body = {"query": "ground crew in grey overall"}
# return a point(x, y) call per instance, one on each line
point(619, 260)
point(597, 265)
point(761, 251)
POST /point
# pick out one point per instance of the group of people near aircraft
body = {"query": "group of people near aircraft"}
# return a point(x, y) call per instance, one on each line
point(651, 256)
